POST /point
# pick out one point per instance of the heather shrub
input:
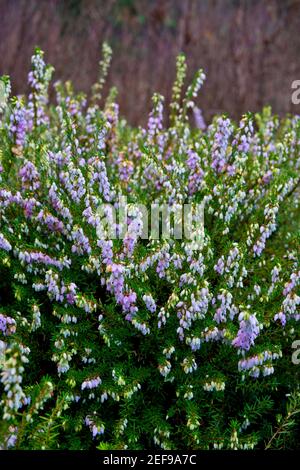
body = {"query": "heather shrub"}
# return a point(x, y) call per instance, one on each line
point(134, 342)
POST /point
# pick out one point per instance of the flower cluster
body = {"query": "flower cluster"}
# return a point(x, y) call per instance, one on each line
point(7, 325)
point(147, 336)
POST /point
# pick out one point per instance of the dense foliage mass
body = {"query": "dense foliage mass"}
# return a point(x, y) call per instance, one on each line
point(146, 343)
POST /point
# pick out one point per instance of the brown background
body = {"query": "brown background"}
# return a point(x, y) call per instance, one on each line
point(249, 48)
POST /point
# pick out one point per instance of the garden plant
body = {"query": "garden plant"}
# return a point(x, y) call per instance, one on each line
point(114, 340)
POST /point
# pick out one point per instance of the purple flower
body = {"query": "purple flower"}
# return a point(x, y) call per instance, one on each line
point(248, 331)
point(199, 119)
point(4, 244)
point(150, 303)
point(7, 325)
point(220, 146)
point(91, 383)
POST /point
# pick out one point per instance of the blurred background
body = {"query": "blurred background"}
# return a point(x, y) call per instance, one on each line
point(249, 49)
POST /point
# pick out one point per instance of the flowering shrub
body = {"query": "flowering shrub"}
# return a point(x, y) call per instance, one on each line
point(138, 342)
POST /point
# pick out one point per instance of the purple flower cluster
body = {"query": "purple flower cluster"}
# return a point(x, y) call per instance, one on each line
point(134, 231)
point(291, 303)
point(99, 175)
point(116, 284)
point(294, 281)
point(7, 325)
point(196, 173)
point(248, 331)
point(29, 205)
point(50, 221)
point(29, 176)
point(199, 119)
point(125, 169)
point(58, 204)
point(163, 264)
point(266, 230)
point(155, 121)
point(232, 267)
point(188, 313)
point(91, 383)
point(74, 183)
point(21, 123)
point(13, 437)
point(40, 258)
point(226, 307)
point(4, 244)
point(150, 303)
point(38, 79)
point(82, 244)
point(261, 362)
point(96, 429)
point(57, 290)
point(220, 146)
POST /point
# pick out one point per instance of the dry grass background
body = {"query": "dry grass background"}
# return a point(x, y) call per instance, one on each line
point(248, 48)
